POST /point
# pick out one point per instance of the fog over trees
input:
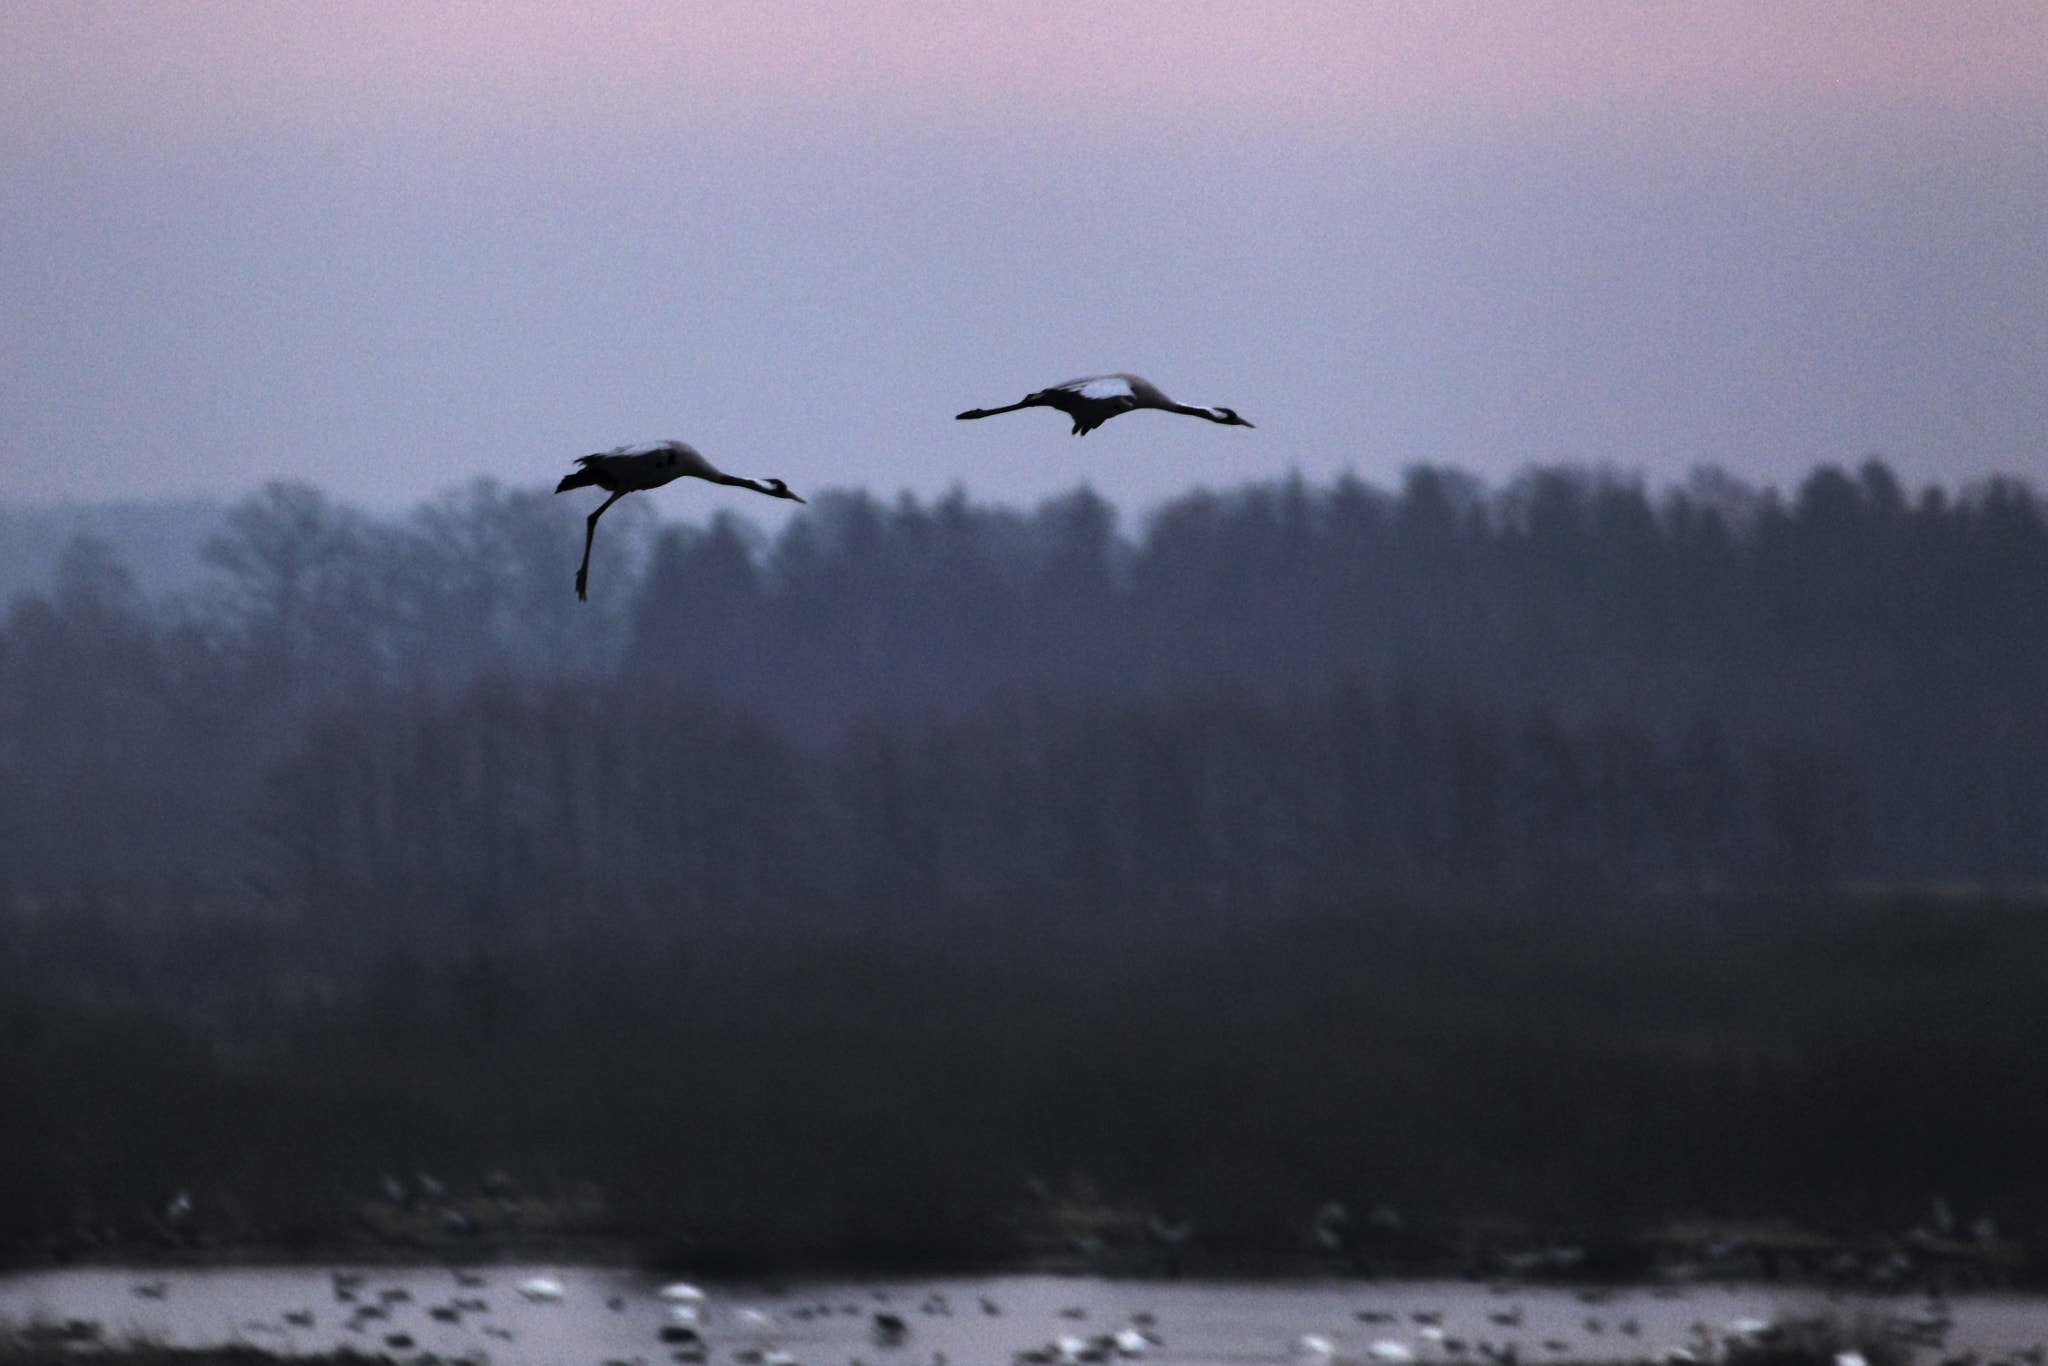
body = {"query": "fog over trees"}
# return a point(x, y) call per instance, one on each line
point(1447, 759)
point(1277, 695)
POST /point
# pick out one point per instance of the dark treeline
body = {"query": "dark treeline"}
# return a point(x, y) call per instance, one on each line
point(1282, 689)
point(1501, 1077)
point(1309, 841)
point(669, 810)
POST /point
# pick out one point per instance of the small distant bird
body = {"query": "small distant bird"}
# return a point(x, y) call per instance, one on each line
point(1331, 1227)
point(1171, 1239)
point(542, 1289)
point(629, 469)
point(1168, 1234)
point(1094, 401)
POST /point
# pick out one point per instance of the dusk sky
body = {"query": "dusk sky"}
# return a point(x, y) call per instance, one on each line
point(392, 247)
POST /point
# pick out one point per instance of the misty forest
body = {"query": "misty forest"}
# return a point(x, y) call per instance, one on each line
point(1562, 858)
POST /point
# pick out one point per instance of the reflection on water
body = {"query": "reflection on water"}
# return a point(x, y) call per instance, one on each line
point(561, 1316)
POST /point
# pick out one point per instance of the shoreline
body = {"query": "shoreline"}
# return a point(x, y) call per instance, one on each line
point(1068, 1237)
point(713, 1267)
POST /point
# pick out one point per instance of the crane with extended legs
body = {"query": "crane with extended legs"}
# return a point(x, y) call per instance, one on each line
point(631, 469)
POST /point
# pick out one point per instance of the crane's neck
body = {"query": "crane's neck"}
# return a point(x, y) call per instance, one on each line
point(774, 488)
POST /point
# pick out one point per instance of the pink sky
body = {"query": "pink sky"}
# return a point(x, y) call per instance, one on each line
point(388, 247)
point(230, 68)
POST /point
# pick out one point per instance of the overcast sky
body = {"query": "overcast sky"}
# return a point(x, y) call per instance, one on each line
point(391, 247)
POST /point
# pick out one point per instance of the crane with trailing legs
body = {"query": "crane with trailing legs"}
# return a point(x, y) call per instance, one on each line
point(631, 469)
point(1094, 401)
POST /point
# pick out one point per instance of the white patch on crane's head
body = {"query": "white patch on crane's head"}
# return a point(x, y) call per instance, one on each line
point(1109, 386)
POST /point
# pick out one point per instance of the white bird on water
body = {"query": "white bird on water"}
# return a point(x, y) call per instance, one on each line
point(541, 1289)
point(1094, 401)
point(630, 469)
point(1131, 1341)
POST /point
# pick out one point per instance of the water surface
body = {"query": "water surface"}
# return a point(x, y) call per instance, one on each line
point(610, 1315)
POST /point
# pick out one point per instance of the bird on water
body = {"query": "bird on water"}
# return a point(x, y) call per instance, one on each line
point(630, 469)
point(1092, 402)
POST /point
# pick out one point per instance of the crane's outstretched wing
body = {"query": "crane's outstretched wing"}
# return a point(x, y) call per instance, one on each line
point(1102, 388)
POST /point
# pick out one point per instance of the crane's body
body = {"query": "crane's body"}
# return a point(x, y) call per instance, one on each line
point(1095, 400)
point(634, 469)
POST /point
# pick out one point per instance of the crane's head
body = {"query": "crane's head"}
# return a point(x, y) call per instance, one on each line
point(778, 489)
point(1228, 417)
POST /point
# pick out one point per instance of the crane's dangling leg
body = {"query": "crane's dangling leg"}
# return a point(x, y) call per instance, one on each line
point(589, 535)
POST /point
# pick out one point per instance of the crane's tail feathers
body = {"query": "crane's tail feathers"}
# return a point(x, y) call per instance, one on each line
point(581, 479)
